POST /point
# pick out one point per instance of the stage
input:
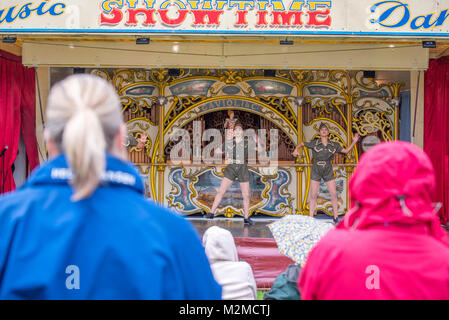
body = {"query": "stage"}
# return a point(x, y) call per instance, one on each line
point(235, 226)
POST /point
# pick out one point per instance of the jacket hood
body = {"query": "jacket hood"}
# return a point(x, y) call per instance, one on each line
point(219, 245)
point(118, 173)
point(393, 183)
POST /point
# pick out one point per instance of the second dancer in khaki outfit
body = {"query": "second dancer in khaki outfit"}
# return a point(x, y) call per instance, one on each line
point(323, 152)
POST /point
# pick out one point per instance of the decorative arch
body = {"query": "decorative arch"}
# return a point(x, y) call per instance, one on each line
point(195, 111)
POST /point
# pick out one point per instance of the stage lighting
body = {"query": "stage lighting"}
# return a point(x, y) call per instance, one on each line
point(9, 40)
point(143, 41)
point(429, 44)
point(286, 42)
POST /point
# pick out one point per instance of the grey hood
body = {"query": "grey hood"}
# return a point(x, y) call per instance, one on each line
point(219, 245)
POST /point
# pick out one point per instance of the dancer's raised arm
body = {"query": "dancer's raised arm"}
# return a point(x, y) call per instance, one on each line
point(295, 153)
point(354, 141)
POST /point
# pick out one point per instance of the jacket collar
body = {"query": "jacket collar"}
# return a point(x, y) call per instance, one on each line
point(118, 173)
point(319, 143)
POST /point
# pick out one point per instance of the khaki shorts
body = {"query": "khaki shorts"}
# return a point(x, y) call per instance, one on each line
point(237, 172)
point(325, 172)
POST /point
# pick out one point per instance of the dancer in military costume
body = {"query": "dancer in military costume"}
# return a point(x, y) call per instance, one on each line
point(323, 151)
point(236, 157)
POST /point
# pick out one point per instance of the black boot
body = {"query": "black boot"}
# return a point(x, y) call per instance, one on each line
point(248, 221)
point(335, 219)
point(210, 216)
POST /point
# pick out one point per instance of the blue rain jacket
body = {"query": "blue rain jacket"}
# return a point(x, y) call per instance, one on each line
point(113, 245)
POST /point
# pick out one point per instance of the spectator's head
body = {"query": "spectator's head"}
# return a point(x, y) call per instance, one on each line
point(393, 183)
point(84, 121)
point(219, 245)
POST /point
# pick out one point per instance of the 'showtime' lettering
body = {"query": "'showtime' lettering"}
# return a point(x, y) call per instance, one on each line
point(209, 12)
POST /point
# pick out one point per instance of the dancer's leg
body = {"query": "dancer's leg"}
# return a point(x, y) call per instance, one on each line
point(332, 188)
point(225, 184)
point(314, 191)
point(244, 186)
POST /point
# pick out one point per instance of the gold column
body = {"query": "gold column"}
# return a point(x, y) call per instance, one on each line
point(396, 122)
point(396, 88)
point(300, 158)
point(160, 157)
point(351, 159)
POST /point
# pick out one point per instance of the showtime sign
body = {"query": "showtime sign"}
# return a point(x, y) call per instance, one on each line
point(390, 18)
point(260, 13)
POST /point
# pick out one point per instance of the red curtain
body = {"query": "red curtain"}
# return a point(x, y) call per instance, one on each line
point(436, 128)
point(17, 115)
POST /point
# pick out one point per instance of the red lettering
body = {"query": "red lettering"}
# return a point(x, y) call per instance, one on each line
point(213, 16)
point(172, 22)
point(117, 17)
point(241, 18)
point(314, 15)
point(286, 18)
point(147, 12)
point(262, 20)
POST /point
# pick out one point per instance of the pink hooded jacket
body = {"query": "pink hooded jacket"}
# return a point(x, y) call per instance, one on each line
point(390, 245)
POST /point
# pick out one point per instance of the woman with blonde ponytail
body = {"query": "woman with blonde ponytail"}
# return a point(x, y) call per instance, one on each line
point(81, 228)
point(85, 113)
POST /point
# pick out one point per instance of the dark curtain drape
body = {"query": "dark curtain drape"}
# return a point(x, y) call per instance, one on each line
point(17, 115)
point(436, 128)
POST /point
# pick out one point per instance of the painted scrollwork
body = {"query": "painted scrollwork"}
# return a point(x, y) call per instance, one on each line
point(341, 78)
point(102, 73)
point(299, 76)
point(231, 76)
point(180, 104)
point(137, 105)
point(283, 106)
point(123, 77)
point(139, 135)
point(369, 121)
point(159, 75)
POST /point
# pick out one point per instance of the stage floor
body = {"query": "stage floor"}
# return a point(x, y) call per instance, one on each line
point(237, 228)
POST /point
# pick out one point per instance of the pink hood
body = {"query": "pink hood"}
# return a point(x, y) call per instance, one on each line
point(390, 245)
point(393, 183)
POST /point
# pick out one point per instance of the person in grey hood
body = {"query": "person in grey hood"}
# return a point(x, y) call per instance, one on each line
point(236, 277)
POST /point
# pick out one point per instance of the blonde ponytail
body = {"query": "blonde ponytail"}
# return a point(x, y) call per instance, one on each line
point(84, 145)
point(83, 117)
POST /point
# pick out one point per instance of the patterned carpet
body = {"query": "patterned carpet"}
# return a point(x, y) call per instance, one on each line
point(265, 259)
